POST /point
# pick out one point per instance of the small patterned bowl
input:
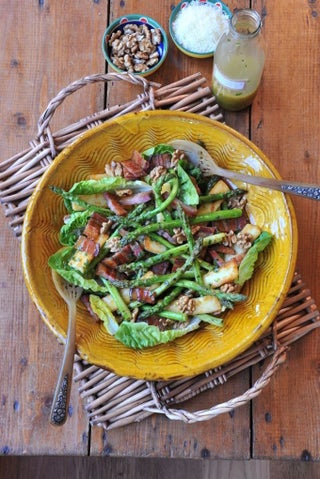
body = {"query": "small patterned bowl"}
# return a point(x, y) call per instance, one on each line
point(135, 62)
point(185, 44)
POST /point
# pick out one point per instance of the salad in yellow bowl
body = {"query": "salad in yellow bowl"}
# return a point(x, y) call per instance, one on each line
point(158, 247)
point(81, 192)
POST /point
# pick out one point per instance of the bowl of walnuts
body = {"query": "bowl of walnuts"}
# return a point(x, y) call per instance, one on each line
point(135, 44)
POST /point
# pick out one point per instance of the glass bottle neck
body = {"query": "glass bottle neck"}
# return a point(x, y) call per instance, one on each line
point(245, 23)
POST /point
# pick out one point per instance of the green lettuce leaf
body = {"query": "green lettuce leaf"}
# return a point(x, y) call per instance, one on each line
point(213, 320)
point(247, 265)
point(188, 193)
point(59, 262)
point(158, 150)
point(70, 231)
point(142, 335)
point(101, 309)
point(89, 187)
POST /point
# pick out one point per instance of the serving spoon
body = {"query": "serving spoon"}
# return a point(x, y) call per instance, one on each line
point(200, 157)
point(70, 293)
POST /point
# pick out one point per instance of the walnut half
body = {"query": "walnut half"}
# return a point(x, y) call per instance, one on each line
point(135, 48)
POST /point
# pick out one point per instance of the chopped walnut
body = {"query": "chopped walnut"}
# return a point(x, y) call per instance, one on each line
point(140, 68)
point(155, 36)
point(185, 304)
point(157, 172)
point(229, 288)
point(124, 193)
point(230, 239)
point(237, 202)
point(114, 244)
point(244, 240)
point(176, 156)
point(135, 49)
point(113, 169)
point(153, 60)
point(179, 235)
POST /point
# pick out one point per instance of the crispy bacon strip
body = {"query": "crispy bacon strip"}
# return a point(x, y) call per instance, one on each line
point(161, 268)
point(161, 159)
point(137, 250)
point(125, 255)
point(215, 256)
point(142, 294)
point(87, 245)
point(178, 262)
point(136, 167)
point(205, 231)
point(234, 224)
point(93, 227)
point(220, 248)
point(109, 273)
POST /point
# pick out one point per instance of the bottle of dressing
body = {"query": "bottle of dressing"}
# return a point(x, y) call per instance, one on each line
point(238, 61)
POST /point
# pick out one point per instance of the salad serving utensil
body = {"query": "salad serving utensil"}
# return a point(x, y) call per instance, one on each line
point(70, 293)
point(199, 156)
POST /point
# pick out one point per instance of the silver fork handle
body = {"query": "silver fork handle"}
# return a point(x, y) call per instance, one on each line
point(61, 398)
point(300, 189)
point(308, 191)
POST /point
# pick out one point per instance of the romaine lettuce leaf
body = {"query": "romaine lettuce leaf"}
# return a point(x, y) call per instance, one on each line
point(101, 309)
point(89, 187)
point(188, 192)
point(159, 149)
point(70, 231)
point(59, 262)
point(247, 265)
point(141, 335)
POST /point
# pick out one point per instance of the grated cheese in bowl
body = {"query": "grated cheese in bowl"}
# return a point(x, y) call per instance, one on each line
point(198, 25)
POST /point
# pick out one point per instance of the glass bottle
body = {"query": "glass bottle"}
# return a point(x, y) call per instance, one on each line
point(239, 61)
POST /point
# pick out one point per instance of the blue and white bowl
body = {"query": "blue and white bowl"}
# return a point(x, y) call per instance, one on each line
point(136, 19)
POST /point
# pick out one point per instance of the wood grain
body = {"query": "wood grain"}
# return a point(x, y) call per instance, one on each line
point(41, 52)
point(283, 125)
point(132, 468)
point(45, 46)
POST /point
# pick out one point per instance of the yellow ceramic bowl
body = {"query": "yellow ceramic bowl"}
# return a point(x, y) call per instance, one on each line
point(200, 350)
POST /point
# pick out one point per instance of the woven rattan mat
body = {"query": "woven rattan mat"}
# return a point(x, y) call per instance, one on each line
point(112, 401)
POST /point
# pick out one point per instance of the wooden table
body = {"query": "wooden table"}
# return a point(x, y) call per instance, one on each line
point(45, 46)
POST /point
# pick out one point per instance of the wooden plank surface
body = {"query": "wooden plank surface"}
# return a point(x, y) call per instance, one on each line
point(133, 468)
point(285, 126)
point(46, 46)
point(41, 53)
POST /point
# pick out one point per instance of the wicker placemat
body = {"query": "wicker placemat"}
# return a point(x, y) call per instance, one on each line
point(110, 400)
point(20, 174)
point(113, 401)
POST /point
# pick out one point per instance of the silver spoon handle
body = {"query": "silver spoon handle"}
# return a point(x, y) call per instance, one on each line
point(61, 398)
point(300, 189)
